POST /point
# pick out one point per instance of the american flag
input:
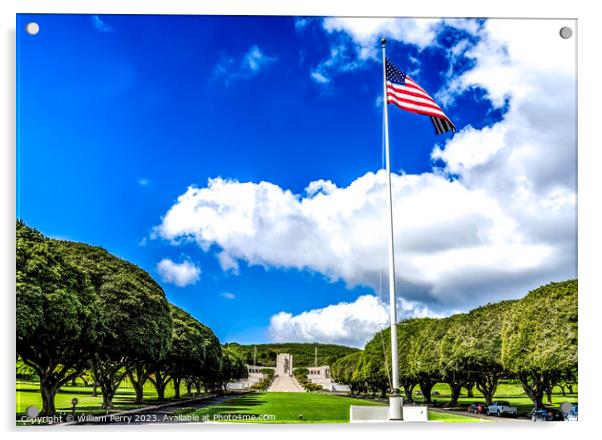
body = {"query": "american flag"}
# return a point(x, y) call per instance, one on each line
point(408, 95)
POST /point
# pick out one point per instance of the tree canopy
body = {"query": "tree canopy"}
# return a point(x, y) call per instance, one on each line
point(56, 321)
point(533, 339)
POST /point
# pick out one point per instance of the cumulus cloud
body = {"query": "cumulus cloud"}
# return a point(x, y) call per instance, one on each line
point(250, 64)
point(181, 274)
point(354, 41)
point(450, 240)
point(227, 295)
point(347, 323)
point(494, 218)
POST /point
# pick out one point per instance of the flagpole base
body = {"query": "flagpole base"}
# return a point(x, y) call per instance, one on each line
point(395, 407)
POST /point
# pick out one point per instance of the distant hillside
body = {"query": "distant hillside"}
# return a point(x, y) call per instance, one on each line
point(303, 354)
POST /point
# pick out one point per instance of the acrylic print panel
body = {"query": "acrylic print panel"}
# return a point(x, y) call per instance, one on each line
point(215, 216)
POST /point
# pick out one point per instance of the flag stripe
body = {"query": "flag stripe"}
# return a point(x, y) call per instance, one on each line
point(416, 108)
point(414, 99)
point(406, 94)
point(409, 90)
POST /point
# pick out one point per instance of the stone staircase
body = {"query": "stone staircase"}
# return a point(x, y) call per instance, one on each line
point(286, 384)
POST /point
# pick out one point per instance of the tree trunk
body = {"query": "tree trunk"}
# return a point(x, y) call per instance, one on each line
point(48, 392)
point(160, 382)
point(469, 389)
point(534, 386)
point(108, 376)
point(455, 393)
point(570, 388)
point(426, 386)
point(188, 387)
point(176, 384)
point(487, 385)
point(408, 388)
point(138, 376)
point(51, 381)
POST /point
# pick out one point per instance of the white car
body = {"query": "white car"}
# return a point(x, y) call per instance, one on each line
point(500, 408)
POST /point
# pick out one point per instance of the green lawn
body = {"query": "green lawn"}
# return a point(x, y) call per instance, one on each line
point(296, 408)
point(443, 417)
point(28, 394)
point(287, 408)
point(314, 407)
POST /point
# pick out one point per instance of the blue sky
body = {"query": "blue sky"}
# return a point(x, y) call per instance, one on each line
point(119, 115)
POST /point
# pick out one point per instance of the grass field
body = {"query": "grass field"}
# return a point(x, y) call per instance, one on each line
point(314, 407)
point(287, 408)
point(435, 416)
point(28, 394)
point(296, 408)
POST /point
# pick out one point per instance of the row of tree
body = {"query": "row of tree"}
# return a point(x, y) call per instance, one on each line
point(80, 309)
point(533, 340)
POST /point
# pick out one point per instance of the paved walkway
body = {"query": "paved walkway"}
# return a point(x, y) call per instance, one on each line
point(287, 384)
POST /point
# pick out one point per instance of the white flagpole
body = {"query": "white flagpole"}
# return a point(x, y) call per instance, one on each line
point(395, 403)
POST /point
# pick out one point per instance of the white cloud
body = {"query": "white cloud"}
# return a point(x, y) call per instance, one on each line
point(143, 182)
point(450, 240)
point(181, 274)
point(502, 225)
point(354, 41)
point(250, 64)
point(100, 25)
point(228, 295)
point(351, 324)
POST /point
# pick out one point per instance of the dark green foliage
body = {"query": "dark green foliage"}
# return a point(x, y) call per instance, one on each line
point(195, 353)
point(471, 348)
point(56, 317)
point(533, 340)
point(135, 321)
point(303, 353)
point(539, 338)
point(343, 370)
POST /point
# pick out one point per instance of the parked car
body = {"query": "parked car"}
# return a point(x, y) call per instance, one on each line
point(477, 408)
point(501, 407)
point(546, 414)
point(539, 415)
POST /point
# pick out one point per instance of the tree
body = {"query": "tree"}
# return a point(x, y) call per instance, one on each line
point(236, 368)
point(373, 366)
point(471, 349)
point(57, 313)
point(342, 370)
point(188, 356)
point(539, 337)
point(452, 354)
point(424, 352)
point(133, 314)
